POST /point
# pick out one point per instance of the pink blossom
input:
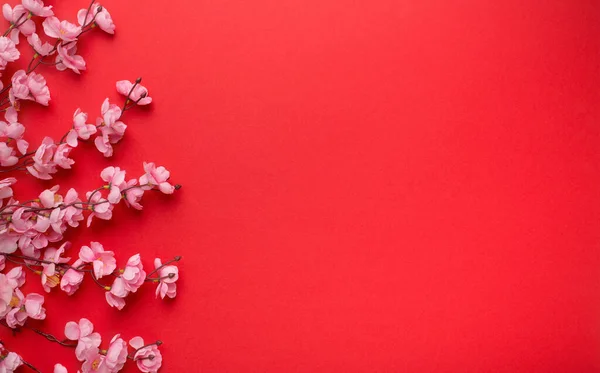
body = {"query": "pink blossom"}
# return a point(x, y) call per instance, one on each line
point(114, 301)
point(114, 176)
point(6, 294)
point(18, 16)
point(100, 16)
point(167, 276)
point(70, 281)
point(16, 277)
point(43, 49)
point(116, 354)
point(50, 277)
point(134, 274)
point(29, 306)
point(37, 8)
point(94, 363)
point(13, 129)
point(104, 262)
point(156, 176)
point(5, 187)
point(133, 195)
point(72, 215)
point(43, 160)
point(8, 52)
point(100, 207)
point(8, 155)
point(67, 59)
point(59, 368)
point(61, 157)
point(63, 30)
point(38, 89)
point(147, 358)
point(80, 129)
point(87, 341)
point(139, 92)
point(112, 128)
point(10, 361)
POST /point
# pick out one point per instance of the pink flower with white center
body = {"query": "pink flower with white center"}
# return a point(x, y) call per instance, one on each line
point(43, 160)
point(10, 361)
point(29, 306)
point(51, 277)
point(72, 215)
point(81, 129)
point(116, 354)
point(167, 278)
point(18, 16)
point(67, 59)
point(5, 187)
point(104, 262)
point(133, 196)
point(43, 49)
point(87, 341)
point(100, 207)
point(139, 92)
point(134, 274)
point(13, 129)
point(8, 52)
point(61, 156)
point(63, 30)
point(148, 358)
point(114, 176)
point(37, 8)
point(156, 176)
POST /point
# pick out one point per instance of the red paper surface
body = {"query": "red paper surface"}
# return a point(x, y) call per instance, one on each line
point(368, 186)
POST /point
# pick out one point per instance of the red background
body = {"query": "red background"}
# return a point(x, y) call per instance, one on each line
point(368, 186)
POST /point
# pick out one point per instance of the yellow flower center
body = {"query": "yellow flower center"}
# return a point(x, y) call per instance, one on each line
point(53, 280)
point(14, 301)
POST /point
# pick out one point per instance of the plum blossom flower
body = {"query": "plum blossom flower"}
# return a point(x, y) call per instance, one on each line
point(13, 129)
point(19, 20)
point(43, 164)
point(63, 30)
point(37, 8)
point(147, 357)
point(134, 91)
point(104, 262)
point(81, 129)
point(71, 214)
point(115, 297)
point(82, 332)
point(67, 59)
point(70, 281)
point(133, 275)
point(114, 176)
point(116, 354)
point(5, 187)
point(167, 278)
point(132, 195)
point(8, 52)
point(43, 49)
point(94, 362)
point(111, 127)
point(26, 306)
point(29, 87)
point(50, 276)
point(8, 155)
point(10, 360)
point(6, 294)
point(100, 16)
point(61, 156)
point(100, 207)
point(156, 176)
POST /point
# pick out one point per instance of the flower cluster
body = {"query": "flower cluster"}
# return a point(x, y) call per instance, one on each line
point(32, 232)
